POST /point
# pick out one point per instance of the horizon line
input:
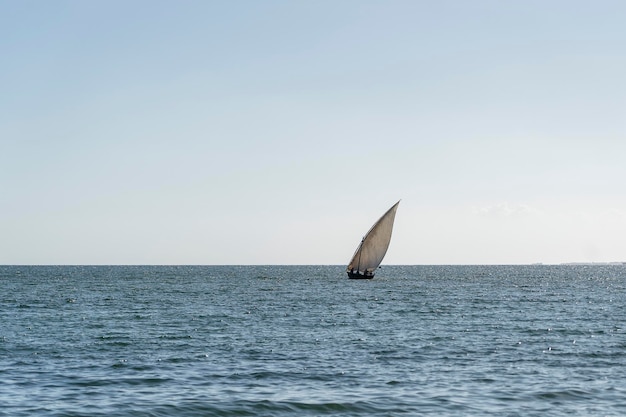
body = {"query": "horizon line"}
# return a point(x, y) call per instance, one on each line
point(339, 265)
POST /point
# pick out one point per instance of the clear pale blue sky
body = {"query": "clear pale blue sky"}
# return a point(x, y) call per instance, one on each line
point(277, 132)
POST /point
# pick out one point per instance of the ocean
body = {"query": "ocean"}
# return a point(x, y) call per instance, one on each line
point(306, 341)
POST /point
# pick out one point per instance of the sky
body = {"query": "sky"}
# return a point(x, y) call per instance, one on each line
point(277, 132)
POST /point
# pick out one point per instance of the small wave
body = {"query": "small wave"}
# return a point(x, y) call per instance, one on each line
point(120, 382)
point(564, 395)
point(267, 407)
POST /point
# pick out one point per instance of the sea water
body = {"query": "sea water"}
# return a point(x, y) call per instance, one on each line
point(305, 340)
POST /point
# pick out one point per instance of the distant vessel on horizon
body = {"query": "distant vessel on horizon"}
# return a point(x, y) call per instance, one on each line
point(373, 247)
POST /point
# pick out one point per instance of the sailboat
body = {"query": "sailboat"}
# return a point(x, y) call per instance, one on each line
point(373, 247)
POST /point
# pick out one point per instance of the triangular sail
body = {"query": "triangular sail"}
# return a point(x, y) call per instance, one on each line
point(372, 249)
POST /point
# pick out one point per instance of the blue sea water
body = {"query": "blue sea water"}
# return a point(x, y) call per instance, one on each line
point(306, 341)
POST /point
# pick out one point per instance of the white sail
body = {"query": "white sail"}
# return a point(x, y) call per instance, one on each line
point(372, 249)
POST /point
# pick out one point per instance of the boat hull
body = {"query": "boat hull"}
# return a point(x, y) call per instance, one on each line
point(356, 275)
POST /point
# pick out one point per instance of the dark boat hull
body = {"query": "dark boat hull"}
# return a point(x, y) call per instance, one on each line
point(356, 275)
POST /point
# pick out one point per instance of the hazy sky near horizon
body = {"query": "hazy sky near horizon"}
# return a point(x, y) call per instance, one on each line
point(277, 132)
